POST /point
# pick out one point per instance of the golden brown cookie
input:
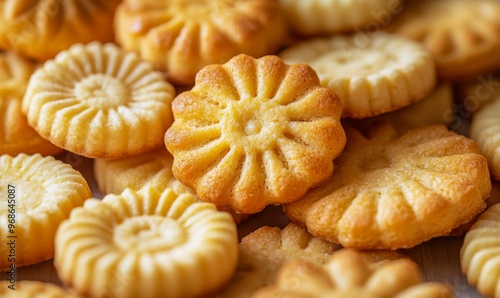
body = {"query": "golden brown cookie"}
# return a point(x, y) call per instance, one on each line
point(152, 169)
point(480, 253)
point(391, 191)
point(38, 193)
point(485, 130)
point(463, 35)
point(158, 244)
point(350, 273)
point(319, 17)
point(100, 102)
point(254, 132)
point(33, 289)
point(16, 135)
point(183, 36)
point(40, 29)
point(264, 251)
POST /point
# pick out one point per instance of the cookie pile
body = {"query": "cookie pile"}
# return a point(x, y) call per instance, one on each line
point(199, 114)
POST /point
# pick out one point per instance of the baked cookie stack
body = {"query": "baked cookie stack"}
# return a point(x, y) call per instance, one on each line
point(196, 115)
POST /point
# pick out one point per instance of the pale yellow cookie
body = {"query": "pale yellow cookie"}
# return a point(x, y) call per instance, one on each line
point(350, 273)
point(390, 191)
point(485, 130)
point(463, 35)
point(480, 254)
point(157, 244)
point(33, 289)
point(264, 251)
point(16, 136)
point(183, 36)
point(37, 194)
point(40, 29)
point(321, 17)
point(370, 75)
point(100, 102)
point(254, 132)
point(152, 169)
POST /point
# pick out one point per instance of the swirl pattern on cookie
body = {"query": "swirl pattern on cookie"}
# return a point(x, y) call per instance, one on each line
point(100, 102)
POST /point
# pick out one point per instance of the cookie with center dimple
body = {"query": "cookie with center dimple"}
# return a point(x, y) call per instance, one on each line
point(30, 289)
point(319, 17)
point(254, 132)
point(349, 273)
point(37, 194)
point(16, 135)
point(370, 75)
point(480, 253)
point(156, 244)
point(100, 102)
point(183, 36)
point(463, 35)
point(391, 191)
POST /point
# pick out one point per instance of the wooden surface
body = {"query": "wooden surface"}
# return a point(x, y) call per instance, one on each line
point(438, 258)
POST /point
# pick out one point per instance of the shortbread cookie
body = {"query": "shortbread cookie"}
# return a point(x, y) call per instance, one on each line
point(40, 29)
point(38, 194)
point(264, 251)
point(480, 253)
point(391, 191)
point(159, 244)
point(371, 76)
point(152, 169)
point(463, 35)
point(254, 132)
point(433, 109)
point(16, 136)
point(485, 130)
point(182, 36)
point(33, 289)
point(319, 17)
point(100, 102)
point(350, 273)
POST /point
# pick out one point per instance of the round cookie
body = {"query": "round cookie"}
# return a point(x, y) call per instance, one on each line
point(158, 244)
point(254, 132)
point(463, 35)
point(265, 250)
point(480, 253)
point(30, 289)
point(40, 29)
point(182, 36)
point(320, 17)
point(153, 169)
point(38, 193)
point(350, 273)
point(100, 102)
point(485, 130)
point(391, 191)
point(16, 136)
point(371, 76)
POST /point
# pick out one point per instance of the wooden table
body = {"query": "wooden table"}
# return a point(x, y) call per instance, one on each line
point(438, 258)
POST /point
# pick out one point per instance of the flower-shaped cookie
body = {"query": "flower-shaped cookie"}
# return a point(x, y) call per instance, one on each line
point(350, 273)
point(155, 244)
point(480, 254)
point(183, 36)
point(100, 102)
point(254, 132)
point(40, 29)
point(264, 251)
point(391, 191)
point(30, 289)
point(463, 35)
point(16, 135)
point(38, 194)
